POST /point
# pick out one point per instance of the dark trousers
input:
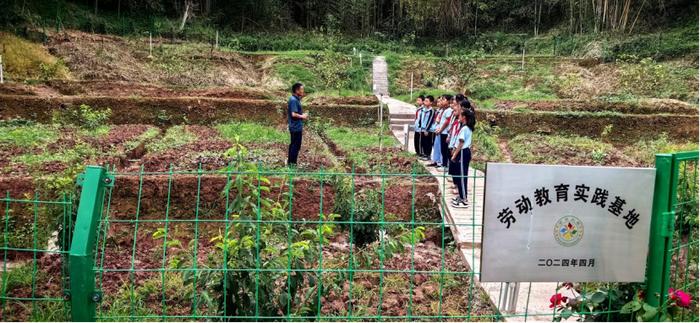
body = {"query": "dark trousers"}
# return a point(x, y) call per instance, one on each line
point(416, 143)
point(460, 170)
point(444, 150)
point(294, 147)
point(427, 142)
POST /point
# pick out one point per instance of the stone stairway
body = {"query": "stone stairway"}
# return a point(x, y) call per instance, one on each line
point(380, 80)
point(398, 120)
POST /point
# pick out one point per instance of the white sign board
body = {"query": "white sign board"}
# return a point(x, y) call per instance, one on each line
point(547, 223)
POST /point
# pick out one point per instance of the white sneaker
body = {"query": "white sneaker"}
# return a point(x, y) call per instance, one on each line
point(460, 204)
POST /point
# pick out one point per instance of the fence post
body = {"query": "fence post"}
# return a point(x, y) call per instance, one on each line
point(661, 233)
point(82, 276)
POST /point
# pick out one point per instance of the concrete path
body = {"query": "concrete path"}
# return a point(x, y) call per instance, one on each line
point(380, 80)
point(465, 224)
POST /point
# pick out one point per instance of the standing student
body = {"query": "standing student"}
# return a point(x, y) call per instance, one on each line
point(462, 155)
point(436, 155)
point(454, 127)
point(426, 122)
point(443, 130)
point(295, 117)
point(416, 126)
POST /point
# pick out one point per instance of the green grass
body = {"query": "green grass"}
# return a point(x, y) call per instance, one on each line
point(644, 151)
point(23, 59)
point(66, 156)
point(98, 132)
point(144, 137)
point(356, 138)
point(406, 97)
point(28, 136)
point(251, 132)
point(485, 144)
point(174, 137)
point(552, 149)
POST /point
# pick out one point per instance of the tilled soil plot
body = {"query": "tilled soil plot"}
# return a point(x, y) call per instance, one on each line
point(209, 149)
point(72, 146)
point(421, 280)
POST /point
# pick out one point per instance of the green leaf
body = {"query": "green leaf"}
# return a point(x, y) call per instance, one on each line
point(566, 314)
point(598, 297)
point(649, 312)
point(631, 307)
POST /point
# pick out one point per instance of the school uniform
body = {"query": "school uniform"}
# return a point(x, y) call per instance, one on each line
point(445, 118)
point(459, 167)
point(426, 123)
point(436, 156)
point(416, 132)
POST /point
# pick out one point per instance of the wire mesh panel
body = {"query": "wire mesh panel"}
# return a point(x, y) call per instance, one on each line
point(684, 248)
point(245, 243)
point(35, 238)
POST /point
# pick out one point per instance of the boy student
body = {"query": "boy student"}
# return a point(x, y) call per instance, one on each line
point(462, 155)
point(436, 156)
point(416, 126)
point(295, 117)
point(443, 129)
point(426, 122)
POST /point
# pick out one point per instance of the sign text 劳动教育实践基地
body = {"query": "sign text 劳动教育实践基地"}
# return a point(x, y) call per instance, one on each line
point(566, 223)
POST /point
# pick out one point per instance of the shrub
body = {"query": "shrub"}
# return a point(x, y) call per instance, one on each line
point(83, 116)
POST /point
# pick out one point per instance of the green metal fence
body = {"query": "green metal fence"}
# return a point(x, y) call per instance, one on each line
point(247, 243)
point(673, 244)
point(35, 242)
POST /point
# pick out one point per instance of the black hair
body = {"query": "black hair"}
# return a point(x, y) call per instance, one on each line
point(468, 112)
point(459, 97)
point(296, 86)
point(431, 98)
point(447, 97)
point(422, 97)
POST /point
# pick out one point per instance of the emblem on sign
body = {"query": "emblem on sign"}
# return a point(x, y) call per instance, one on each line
point(568, 231)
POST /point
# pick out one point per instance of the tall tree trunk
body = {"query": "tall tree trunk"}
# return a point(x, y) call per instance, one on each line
point(95, 7)
point(185, 15)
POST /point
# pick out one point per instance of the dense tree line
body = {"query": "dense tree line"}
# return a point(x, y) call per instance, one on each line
point(412, 18)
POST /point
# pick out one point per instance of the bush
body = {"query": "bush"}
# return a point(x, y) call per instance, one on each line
point(83, 117)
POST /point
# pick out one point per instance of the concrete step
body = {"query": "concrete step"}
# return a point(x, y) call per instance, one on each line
point(401, 121)
point(402, 115)
point(398, 127)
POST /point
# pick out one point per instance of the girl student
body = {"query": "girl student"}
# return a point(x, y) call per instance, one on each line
point(436, 156)
point(416, 126)
point(453, 131)
point(442, 130)
point(461, 154)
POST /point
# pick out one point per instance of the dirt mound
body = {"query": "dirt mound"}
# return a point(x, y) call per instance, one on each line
point(354, 100)
point(104, 57)
point(128, 89)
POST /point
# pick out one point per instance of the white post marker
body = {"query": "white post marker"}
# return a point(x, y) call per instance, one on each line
point(360, 59)
point(522, 62)
point(150, 44)
point(381, 124)
point(2, 76)
point(406, 135)
point(411, 86)
point(216, 41)
point(549, 223)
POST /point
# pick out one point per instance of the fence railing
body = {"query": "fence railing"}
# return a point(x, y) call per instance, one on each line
point(36, 239)
point(673, 244)
point(244, 243)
